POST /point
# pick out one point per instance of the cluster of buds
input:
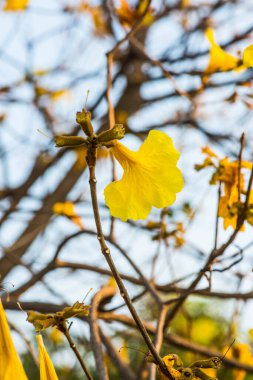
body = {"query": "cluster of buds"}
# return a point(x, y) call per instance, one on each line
point(106, 138)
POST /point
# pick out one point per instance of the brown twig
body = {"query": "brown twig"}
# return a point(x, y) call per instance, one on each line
point(96, 344)
point(126, 372)
point(165, 71)
point(159, 336)
point(110, 56)
point(242, 141)
point(91, 161)
point(63, 328)
point(217, 217)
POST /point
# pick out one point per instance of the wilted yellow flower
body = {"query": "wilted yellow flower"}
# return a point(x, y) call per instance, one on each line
point(172, 362)
point(248, 56)
point(128, 15)
point(229, 212)
point(10, 364)
point(16, 5)
point(150, 178)
point(227, 174)
point(219, 59)
point(208, 151)
point(47, 371)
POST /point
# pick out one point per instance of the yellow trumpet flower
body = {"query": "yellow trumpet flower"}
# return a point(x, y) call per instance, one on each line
point(10, 364)
point(150, 178)
point(47, 371)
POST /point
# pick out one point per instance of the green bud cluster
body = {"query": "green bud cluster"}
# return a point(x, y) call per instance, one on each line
point(106, 138)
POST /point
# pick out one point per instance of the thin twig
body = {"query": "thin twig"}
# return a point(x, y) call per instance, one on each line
point(126, 373)
point(165, 71)
point(91, 161)
point(63, 328)
point(96, 344)
point(159, 337)
point(217, 217)
point(110, 55)
point(242, 141)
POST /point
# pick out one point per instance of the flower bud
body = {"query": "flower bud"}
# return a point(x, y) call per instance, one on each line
point(116, 133)
point(84, 120)
point(69, 141)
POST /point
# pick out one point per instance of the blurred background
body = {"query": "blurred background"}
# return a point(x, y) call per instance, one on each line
point(51, 54)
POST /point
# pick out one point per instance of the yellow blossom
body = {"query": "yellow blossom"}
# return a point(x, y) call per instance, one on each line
point(170, 362)
point(227, 174)
point(185, 3)
point(150, 178)
point(68, 209)
point(128, 15)
point(208, 151)
point(16, 5)
point(56, 336)
point(47, 371)
point(248, 56)
point(53, 95)
point(219, 59)
point(242, 353)
point(229, 212)
point(10, 365)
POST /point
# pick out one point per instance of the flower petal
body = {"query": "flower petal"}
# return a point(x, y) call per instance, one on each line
point(248, 56)
point(10, 364)
point(219, 59)
point(47, 371)
point(16, 5)
point(150, 178)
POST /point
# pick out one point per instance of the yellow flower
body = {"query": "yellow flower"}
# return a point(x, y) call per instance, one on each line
point(16, 5)
point(68, 209)
point(150, 178)
point(248, 56)
point(10, 364)
point(47, 371)
point(128, 15)
point(219, 59)
point(242, 353)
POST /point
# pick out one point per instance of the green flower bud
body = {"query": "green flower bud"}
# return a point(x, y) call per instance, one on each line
point(116, 133)
point(69, 141)
point(84, 120)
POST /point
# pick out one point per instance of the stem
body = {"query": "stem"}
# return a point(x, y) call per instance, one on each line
point(217, 218)
point(104, 293)
point(242, 141)
point(63, 328)
point(91, 161)
point(159, 336)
